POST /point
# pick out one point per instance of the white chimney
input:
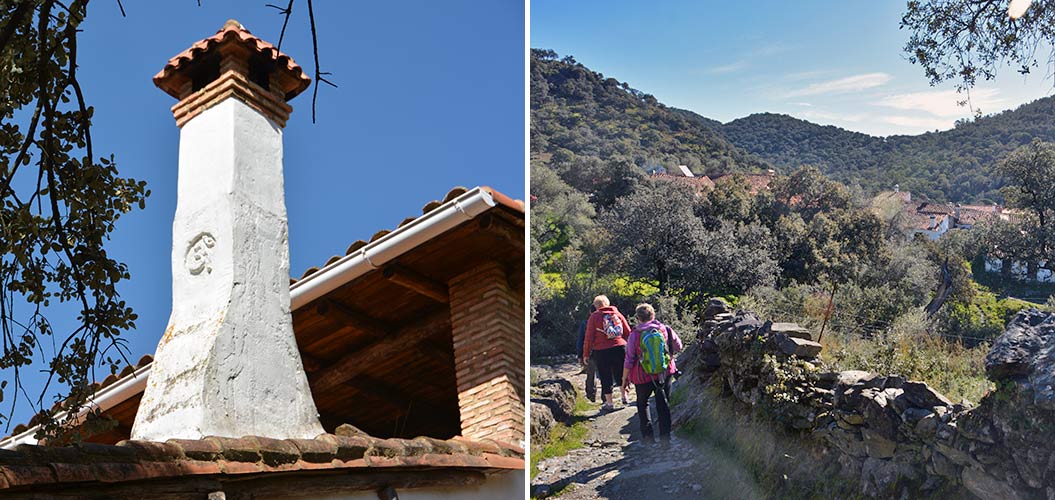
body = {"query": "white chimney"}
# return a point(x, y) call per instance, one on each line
point(228, 363)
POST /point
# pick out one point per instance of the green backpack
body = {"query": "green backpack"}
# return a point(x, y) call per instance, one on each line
point(655, 358)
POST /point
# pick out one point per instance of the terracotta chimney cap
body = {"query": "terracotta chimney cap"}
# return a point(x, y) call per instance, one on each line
point(180, 72)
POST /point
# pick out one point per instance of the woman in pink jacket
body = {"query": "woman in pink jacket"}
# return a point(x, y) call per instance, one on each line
point(646, 384)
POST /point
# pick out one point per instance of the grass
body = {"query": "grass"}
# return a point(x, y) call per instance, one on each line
point(956, 371)
point(619, 286)
point(564, 438)
point(747, 446)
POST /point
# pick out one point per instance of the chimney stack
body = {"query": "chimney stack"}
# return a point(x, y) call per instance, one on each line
point(228, 363)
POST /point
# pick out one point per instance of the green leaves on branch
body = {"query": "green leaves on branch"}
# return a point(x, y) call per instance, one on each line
point(59, 203)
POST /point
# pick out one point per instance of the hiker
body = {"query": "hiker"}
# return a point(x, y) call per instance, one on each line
point(590, 368)
point(649, 365)
point(606, 334)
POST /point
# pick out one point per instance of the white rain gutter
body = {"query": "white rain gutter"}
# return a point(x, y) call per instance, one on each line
point(383, 250)
point(371, 256)
point(107, 397)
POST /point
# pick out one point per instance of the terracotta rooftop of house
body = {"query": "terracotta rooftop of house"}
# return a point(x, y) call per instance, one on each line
point(232, 31)
point(924, 222)
point(501, 199)
point(935, 208)
point(57, 470)
point(700, 183)
point(974, 215)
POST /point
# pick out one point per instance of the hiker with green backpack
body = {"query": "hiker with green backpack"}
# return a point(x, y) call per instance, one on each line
point(649, 365)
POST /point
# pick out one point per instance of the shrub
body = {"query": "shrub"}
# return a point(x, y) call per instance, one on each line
point(908, 349)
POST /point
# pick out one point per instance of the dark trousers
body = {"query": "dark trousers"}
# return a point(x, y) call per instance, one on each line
point(662, 392)
point(591, 376)
point(610, 367)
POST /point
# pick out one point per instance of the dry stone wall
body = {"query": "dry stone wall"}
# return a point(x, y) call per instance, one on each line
point(896, 437)
point(552, 401)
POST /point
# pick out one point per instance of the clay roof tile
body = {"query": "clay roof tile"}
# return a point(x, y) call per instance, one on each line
point(231, 31)
point(132, 460)
point(356, 245)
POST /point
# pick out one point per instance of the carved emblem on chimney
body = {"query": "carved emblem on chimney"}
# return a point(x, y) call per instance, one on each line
point(229, 363)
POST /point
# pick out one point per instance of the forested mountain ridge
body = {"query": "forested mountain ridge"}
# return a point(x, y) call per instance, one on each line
point(951, 165)
point(578, 111)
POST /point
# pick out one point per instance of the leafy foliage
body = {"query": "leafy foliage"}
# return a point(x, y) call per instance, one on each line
point(952, 165)
point(579, 111)
point(968, 39)
point(58, 204)
point(909, 349)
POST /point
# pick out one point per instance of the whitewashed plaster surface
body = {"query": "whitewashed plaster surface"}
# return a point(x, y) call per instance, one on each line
point(502, 486)
point(228, 363)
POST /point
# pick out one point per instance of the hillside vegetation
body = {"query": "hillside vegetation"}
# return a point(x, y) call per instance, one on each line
point(577, 112)
point(952, 165)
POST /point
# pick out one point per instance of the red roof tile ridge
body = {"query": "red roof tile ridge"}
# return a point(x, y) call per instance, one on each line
point(234, 29)
point(503, 199)
point(137, 460)
point(453, 193)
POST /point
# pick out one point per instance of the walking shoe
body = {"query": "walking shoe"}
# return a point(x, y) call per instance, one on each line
point(608, 407)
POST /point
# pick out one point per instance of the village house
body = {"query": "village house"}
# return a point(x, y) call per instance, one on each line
point(394, 369)
point(755, 183)
point(932, 220)
point(929, 219)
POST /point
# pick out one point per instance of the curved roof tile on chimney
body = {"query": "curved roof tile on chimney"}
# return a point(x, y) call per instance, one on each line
point(232, 30)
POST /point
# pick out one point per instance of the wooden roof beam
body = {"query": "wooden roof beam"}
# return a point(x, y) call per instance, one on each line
point(359, 361)
point(435, 349)
point(341, 313)
point(394, 395)
point(502, 229)
point(415, 282)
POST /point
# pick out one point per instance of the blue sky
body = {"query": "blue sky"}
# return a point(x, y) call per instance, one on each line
point(431, 96)
point(834, 63)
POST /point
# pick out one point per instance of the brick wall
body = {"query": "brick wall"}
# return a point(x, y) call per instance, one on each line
point(487, 317)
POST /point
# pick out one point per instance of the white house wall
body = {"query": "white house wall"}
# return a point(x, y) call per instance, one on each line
point(507, 485)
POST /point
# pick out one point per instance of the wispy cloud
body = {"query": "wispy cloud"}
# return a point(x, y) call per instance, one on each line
point(807, 75)
point(944, 103)
point(842, 85)
point(829, 117)
point(727, 68)
point(918, 123)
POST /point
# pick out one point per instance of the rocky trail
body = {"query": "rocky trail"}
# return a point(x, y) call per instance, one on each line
point(614, 464)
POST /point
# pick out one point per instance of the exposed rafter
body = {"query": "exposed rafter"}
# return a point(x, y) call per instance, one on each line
point(339, 312)
point(502, 229)
point(357, 362)
point(415, 282)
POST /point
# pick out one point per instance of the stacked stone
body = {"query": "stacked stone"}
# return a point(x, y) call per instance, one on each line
point(886, 429)
point(891, 435)
point(552, 401)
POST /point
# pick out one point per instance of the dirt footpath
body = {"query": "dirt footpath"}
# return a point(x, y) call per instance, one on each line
point(616, 465)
